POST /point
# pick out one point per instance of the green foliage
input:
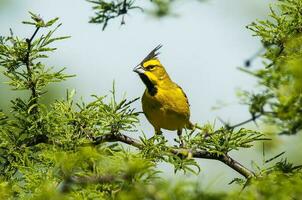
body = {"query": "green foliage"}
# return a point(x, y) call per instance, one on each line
point(106, 10)
point(157, 149)
point(282, 25)
point(223, 140)
point(92, 171)
point(71, 124)
point(216, 142)
point(280, 181)
point(280, 99)
point(20, 60)
point(163, 190)
point(162, 7)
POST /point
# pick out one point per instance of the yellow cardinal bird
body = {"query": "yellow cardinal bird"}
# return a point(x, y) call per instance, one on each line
point(164, 103)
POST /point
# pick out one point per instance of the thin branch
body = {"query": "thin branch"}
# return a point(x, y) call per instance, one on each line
point(83, 180)
point(36, 140)
point(275, 157)
point(226, 159)
point(32, 84)
point(65, 185)
point(118, 137)
point(252, 119)
point(244, 122)
point(249, 61)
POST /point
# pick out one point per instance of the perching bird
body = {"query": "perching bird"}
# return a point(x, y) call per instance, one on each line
point(164, 103)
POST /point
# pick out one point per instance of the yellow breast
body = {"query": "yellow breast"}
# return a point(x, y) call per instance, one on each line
point(167, 109)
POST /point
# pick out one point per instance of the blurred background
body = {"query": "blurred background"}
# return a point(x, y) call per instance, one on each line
point(203, 44)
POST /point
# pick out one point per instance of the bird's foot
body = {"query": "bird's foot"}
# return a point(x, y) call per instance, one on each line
point(181, 143)
point(156, 137)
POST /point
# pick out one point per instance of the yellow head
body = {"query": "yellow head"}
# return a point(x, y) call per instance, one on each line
point(152, 72)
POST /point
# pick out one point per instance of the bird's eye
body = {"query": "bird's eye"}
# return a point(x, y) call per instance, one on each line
point(150, 67)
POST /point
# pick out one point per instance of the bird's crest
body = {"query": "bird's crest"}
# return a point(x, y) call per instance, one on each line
point(152, 55)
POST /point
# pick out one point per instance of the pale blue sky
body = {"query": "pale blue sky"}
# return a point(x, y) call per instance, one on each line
point(202, 47)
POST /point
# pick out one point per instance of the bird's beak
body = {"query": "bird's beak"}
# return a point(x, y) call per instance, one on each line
point(139, 69)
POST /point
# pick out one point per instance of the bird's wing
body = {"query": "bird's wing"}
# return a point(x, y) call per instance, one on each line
point(184, 94)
